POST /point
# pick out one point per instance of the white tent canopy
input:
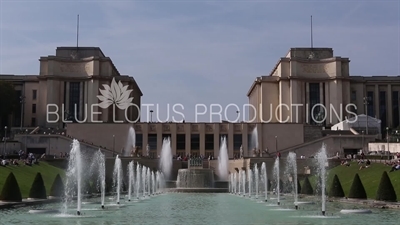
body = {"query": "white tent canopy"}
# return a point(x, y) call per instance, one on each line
point(359, 122)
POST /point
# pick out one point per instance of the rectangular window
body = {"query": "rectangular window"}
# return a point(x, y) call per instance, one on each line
point(74, 96)
point(194, 142)
point(33, 122)
point(180, 142)
point(314, 100)
point(34, 94)
point(139, 141)
point(209, 142)
point(152, 139)
point(166, 136)
point(382, 109)
point(353, 97)
point(237, 141)
point(17, 112)
point(223, 136)
point(250, 144)
point(370, 103)
point(395, 108)
point(33, 108)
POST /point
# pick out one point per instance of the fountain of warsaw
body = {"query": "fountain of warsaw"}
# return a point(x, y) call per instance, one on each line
point(147, 201)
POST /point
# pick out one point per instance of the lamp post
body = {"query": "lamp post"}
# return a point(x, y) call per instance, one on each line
point(5, 140)
point(366, 113)
point(49, 145)
point(22, 101)
point(387, 140)
point(151, 115)
point(113, 145)
point(362, 133)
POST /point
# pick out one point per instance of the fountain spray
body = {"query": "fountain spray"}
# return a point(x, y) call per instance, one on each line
point(276, 167)
point(322, 161)
point(265, 177)
point(256, 177)
point(131, 175)
point(137, 186)
point(292, 168)
point(117, 174)
point(74, 176)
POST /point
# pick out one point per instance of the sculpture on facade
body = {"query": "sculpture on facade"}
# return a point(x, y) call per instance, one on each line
point(148, 150)
point(241, 151)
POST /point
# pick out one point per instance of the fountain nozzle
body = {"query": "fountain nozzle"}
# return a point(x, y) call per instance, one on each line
point(129, 200)
point(266, 200)
point(296, 207)
point(117, 203)
point(279, 203)
point(78, 213)
point(323, 213)
point(102, 206)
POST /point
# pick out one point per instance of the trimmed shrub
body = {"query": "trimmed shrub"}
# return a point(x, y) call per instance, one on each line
point(357, 189)
point(11, 191)
point(57, 188)
point(307, 188)
point(38, 190)
point(386, 191)
point(298, 187)
point(336, 189)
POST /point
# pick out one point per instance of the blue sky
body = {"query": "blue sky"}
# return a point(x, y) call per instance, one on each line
point(205, 52)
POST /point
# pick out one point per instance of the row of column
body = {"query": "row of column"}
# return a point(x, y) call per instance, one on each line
point(202, 134)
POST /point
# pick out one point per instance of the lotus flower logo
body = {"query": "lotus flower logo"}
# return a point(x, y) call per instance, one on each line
point(116, 94)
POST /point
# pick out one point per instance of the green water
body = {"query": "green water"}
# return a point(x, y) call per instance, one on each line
point(193, 209)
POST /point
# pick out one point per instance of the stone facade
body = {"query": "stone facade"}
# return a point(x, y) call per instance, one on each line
point(74, 76)
point(305, 77)
point(194, 136)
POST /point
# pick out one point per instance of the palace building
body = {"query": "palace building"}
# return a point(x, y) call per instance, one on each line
point(312, 79)
point(68, 83)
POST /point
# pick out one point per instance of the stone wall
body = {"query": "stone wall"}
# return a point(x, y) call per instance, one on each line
point(312, 132)
point(384, 146)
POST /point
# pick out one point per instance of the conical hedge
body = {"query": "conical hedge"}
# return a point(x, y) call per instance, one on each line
point(11, 191)
point(307, 189)
point(38, 190)
point(336, 189)
point(357, 189)
point(57, 188)
point(385, 190)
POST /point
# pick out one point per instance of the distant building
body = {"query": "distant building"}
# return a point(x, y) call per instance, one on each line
point(307, 77)
point(71, 81)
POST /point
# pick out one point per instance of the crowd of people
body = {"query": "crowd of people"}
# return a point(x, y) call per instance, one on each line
point(24, 158)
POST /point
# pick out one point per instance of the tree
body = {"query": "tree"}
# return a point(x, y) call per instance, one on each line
point(386, 191)
point(11, 191)
point(8, 99)
point(336, 189)
point(38, 190)
point(357, 189)
point(57, 188)
point(307, 189)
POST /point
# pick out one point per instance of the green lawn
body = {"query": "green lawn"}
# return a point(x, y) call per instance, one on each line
point(370, 177)
point(26, 174)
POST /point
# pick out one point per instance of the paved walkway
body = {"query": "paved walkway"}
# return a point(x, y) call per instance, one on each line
point(26, 202)
point(370, 203)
